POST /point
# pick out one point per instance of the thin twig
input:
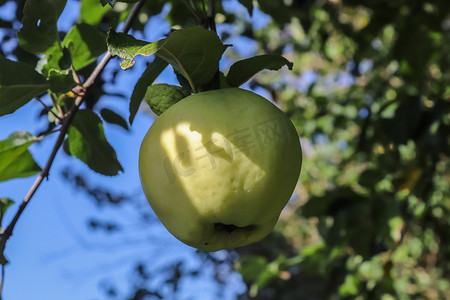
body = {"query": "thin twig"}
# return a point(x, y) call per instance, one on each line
point(2, 280)
point(47, 108)
point(64, 128)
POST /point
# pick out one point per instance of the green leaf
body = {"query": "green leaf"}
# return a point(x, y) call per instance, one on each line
point(278, 10)
point(61, 80)
point(194, 53)
point(243, 70)
point(92, 12)
point(370, 177)
point(248, 4)
point(52, 115)
point(55, 58)
point(19, 83)
point(350, 286)
point(113, 118)
point(127, 47)
point(406, 121)
point(150, 74)
point(162, 96)
point(56, 66)
point(251, 267)
point(85, 43)
point(15, 159)
point(39, 31)
point(223, 81)
point(5, 203)
point(256, 269)
point(88, 143)
point(183, 81)
point(329, 203)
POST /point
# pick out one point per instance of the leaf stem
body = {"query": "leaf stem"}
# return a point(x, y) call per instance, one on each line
point(47, 134)
point(66, 121)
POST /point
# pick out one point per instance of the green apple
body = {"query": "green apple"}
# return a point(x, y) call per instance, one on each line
point(219, 166)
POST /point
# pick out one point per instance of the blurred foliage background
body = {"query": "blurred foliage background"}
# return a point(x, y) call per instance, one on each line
point(371, 214)
point(370, 96)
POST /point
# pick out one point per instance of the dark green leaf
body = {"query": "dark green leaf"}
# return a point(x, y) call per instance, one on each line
point(243, 70)
point(113, 118)
point(183, 81)
point(403, 126)
point(39, 31)
point(61, 80)
point(5, 203)
point(15, 159)
point(92, 12)
point(88, 143)
point(55, 58)
point(316, 206)
point(150, 74)
point(223, 81)
point(127, 47)
point(162, 96)
point(19, 83)
point(85, 43)
point(329, 203)
point(56, 66)
point(194, 53)
point(280, 12)
point(24, 56)
point(370, 177)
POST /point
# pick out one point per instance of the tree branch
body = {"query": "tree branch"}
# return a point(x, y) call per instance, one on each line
point(64, 128)
point(2, 280)
point(212, 26)
point(212, 15)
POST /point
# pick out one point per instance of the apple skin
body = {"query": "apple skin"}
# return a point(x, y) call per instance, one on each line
point(218, 167)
